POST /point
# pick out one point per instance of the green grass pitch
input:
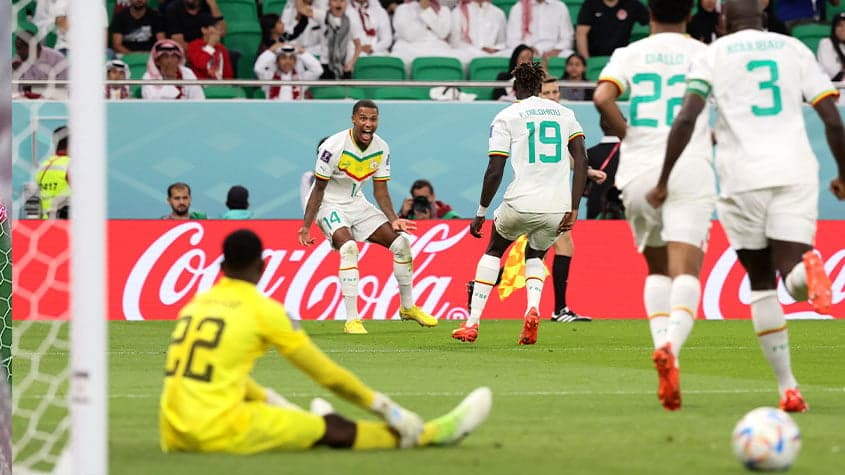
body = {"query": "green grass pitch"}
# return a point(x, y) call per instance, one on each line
point(581, 401)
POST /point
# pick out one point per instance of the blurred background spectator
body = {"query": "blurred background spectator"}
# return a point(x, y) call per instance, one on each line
point(830, 53)
point(797, 12)
point(184, 19)
point(136, 28)
point(479, 29)
point(422, 28)
point(772, 22)
point(603, 201)
point(237, 202)
point(521, 54)
point(413, 207)
point(207, 57)
point(544, 25)
point(576, 70)
point(704, 24)
point(285, 62)
point(375, 25)
point(32, 60)
point(53, 179)
point(301, 25)
point(117, 70)
point(167, 61)
point(604, 25)
point(179, 199)
point(272, 29)
point(341, 43)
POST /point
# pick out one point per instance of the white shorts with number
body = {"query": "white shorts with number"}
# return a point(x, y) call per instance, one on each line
point(686, 213)
point(541, 228)
point(360, 216)
point(784, 213)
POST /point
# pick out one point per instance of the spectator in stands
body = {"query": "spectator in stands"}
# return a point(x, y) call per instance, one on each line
point(576, 70)
point(184, 21)
point(604, 25)
point(136, 28)
point(303, 25)
point(207, 57)
point(167, 61)
point(603, 197)
point(37, 62)
point(424, 190)
point(51, 16)
point(341, 44)
point(422, 28)
point(797, 12)
point(179, 199)
point(237, 200)
point(521, 54)
point(772, 22)
point(541, 24)
point(272, 29)
point(390, 6)
point(478, 29)
point(117, 70)
point(286, 62)
point(52, 176)
point(704, 25)
point(375, 25)
point(830, 51)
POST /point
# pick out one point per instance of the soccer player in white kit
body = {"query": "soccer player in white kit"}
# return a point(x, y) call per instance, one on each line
point(671, 239)
point(535, 133)
point(345, 162)
point(768, 174)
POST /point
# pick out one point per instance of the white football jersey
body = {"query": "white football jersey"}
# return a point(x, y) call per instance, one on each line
point(654, 71)
point(535, 133)
point(760, 81)
point(348, 168)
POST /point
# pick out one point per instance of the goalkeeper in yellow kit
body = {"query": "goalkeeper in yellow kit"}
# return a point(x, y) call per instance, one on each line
point(211, 404)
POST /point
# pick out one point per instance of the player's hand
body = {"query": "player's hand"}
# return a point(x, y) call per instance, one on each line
point(475, 226)
point(568, 221)
point(656, 196)
point(305, 237)
point(407, 424)
point(837, 187)
point(403, 225)
point(597, 176)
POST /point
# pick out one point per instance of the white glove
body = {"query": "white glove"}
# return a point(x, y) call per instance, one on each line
point(407, 424)
point(276, 399)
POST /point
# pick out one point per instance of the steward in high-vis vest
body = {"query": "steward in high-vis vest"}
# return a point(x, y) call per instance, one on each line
point(52, 177)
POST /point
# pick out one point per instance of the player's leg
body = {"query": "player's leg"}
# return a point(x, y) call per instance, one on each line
point(535, 274)
point(336, 225)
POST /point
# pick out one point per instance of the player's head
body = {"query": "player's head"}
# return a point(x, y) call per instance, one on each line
point(61, 138)
point(528, 79)
point(837, 29)
point(364, 121)
point(237, 198)
point(242, 256)
point(742, 15)
point(179, 198)
point(550, 89)
point(670, 11)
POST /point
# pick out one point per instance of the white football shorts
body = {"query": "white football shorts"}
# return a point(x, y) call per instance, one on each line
point(360, 216)
point(541, 228)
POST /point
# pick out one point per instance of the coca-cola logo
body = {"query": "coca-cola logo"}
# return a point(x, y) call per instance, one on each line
point(305, 281)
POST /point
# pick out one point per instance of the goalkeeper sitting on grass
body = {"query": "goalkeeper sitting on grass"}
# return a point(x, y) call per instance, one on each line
point(210, 403)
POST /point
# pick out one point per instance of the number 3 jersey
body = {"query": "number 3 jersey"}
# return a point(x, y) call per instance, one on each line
point(654, 71)
point(535, 133)
point(759, 81)
point(348, 168)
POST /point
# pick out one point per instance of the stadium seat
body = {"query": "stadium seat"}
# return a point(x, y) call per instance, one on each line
point(273, 6)
point(594, 66)
point(224, 92)
point(556, 66)
point(485, 69)
point(505, 5)
point(239, 11)
point(400, 93)
point(137, 63)
point(831, 11)
point(379, 68)
point(243, 38)
point(810, 34)
point(639, 32)
point(336, 92)
point(574, 6)
point(436, 68)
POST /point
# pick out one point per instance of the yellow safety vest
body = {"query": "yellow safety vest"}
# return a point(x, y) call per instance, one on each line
point(52, 181)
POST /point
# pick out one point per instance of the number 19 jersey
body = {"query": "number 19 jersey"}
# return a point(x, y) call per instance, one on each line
point(654, 71)
point(535, 133)
point(760, 81)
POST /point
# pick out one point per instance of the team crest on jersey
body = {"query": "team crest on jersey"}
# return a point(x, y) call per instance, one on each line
point(622, 14)
point(359, 168)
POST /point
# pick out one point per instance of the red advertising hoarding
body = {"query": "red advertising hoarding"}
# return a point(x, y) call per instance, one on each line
point(155, 267)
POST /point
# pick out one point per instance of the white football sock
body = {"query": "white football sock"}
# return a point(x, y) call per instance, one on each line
point(796, 282)
point(349, 278)
point(485, 277)
point(535, 273)
point(403, 269)
point(770, 325)
point(683, 298)
point(656, 297)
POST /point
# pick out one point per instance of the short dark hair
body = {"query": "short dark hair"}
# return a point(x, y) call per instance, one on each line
point(364, 103)
point(670, 11)
point(237, 198)
point(421, 184)
point(241, 249)
point(61, 136)
point(178, 184)
point(528, 78)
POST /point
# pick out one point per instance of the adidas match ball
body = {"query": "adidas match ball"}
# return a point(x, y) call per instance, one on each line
point(766, 439)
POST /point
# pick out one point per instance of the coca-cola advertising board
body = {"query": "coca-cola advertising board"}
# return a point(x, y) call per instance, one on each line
point(155, 267)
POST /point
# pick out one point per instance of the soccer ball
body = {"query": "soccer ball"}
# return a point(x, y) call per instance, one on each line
point(766, 439)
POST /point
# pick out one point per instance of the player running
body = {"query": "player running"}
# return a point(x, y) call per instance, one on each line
point(345, 162)
point(768, 173)
point(672, 238)
point(536, 134)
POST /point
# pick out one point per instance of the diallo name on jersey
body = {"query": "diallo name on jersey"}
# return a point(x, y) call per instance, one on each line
point(760, 45)
point(533, 112)
point(669, 59)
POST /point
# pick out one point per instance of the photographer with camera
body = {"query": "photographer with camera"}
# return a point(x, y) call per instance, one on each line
point(422, 194)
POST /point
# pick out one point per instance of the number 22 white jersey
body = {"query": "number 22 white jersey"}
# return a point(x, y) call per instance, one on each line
point(654, 70)
point(535, 133)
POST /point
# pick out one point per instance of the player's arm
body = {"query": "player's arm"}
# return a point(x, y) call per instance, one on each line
point(382, 197)
point(492, 180)
point(578, 150)
point(679, 136)
point(604, 98)
point(314, 202)
point(835, 134)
